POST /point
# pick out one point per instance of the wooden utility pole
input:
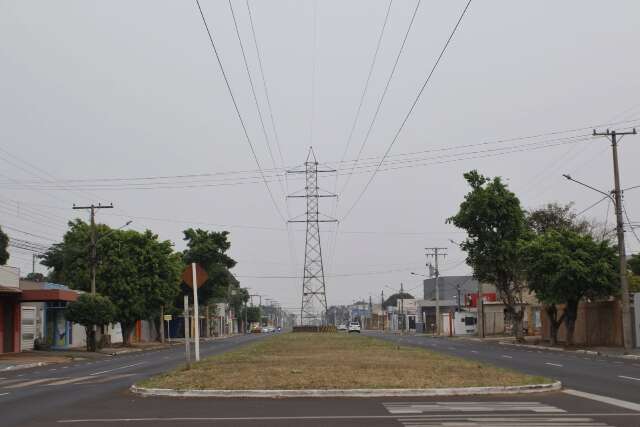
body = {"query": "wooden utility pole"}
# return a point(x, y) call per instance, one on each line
point(94, 240)
point(627, 336)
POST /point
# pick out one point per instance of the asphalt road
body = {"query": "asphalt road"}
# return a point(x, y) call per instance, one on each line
point(612, 377)
point(95, 393)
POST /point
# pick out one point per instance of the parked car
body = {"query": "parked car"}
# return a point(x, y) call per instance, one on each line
point(342, 327)
point(354, 327)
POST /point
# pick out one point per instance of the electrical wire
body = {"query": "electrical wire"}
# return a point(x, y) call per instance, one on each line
point(410, 111)
point(384, 93)
point(237, 109)
point(626, 214)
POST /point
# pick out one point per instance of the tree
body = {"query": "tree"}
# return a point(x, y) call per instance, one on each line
point(4, 243)
point(495, 224)
point(393, 299)
point(135, 270)
point(35, 277)
point(634, 264)
point(208, 248)
point(563, 267)
point(253, 314)
point(553, 216)
point(89, 310)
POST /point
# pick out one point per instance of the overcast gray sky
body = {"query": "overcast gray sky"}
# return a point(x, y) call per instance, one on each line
point(95, 90)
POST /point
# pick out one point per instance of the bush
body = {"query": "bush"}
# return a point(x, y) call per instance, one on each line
point(321, 329)
point(89, 311)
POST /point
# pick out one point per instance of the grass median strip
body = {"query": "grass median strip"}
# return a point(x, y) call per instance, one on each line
point(297, 361)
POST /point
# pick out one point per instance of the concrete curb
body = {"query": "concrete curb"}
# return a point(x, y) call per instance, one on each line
point(366, 392)
point(580, 351)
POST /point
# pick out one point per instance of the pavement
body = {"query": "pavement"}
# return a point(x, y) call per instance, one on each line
point(96, 393)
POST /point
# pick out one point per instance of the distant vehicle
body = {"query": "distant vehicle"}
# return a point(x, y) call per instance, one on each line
point(265, 330)
point(354, 327)
point(342, 327)
point(279, 329)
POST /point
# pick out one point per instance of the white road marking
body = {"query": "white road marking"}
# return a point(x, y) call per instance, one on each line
point(604, 399)
point(69, 381)
point(3, 394)
point(28, 383)
point(474, 351)
point(451, 348)
point(420, 408)
point(53, 369)
point(506, 356)
point(628, 378)
point(116, 369)
point(553, 364)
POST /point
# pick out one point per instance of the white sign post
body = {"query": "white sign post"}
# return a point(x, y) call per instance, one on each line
point(187, 347)
point(196, 318)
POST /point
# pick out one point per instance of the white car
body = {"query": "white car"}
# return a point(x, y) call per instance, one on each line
point(354, 327)
point(342, 327)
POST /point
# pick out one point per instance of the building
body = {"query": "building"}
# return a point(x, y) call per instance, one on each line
point(10, 315)
point(456, 293)
point(43, 320)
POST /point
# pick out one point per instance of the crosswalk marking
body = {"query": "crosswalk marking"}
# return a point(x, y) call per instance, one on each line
point(502, 422)
point(429, 407)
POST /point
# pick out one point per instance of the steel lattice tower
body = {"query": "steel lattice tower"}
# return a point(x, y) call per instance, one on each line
point(314, 298)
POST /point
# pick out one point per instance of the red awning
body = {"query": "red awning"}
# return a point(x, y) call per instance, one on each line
point(9, 290)
point(46, 295)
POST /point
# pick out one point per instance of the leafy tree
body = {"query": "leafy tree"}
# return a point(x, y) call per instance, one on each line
point(393, 299)
point(553, 216)
point(495, 224)
point(563, 267)
point(89, 310)
point(253, 314)
point(35, 277)
point(136, 271)
point(4, 242)
point(208, 248)
point(633, 264)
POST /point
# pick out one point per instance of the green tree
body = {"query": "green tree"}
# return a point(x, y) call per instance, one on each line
point(89, 310)
point(253, 314)
point(136, 271)
point(209, 249)
point(633, 264)
point(564, 267)
point(393, 299)
point(4, 243)
point(553, 216)
point(495, 224)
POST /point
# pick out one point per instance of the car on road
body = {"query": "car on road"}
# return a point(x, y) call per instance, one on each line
point(342, 327)
point(354, 327)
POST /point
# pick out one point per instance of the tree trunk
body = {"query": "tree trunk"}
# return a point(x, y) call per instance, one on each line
point(571, 312)
point(555, 323)
point(517, 324)
point(91, 338)
point(127, 329)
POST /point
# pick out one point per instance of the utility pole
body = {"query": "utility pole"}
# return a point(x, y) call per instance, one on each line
point(382, 313)
point(94, 240)
point(617, 194)
point(402, 306)
point(314, 298)
point(436, 253)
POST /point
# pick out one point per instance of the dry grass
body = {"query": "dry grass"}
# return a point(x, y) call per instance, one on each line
point(334, 361)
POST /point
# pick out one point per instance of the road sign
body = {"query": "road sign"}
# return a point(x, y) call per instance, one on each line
point(168, 317)
point(201, 275)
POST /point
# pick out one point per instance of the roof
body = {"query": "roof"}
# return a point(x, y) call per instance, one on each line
point(9, 290)
point(42, 295)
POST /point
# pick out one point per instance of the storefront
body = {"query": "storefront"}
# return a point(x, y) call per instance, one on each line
point(49, 300)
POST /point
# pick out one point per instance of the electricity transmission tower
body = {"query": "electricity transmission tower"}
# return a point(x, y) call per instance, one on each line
point(313, 309)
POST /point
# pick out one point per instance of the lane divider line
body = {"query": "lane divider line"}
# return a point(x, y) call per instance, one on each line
point(604, 399)
point(628, 378)
point(116, 369)
point(554, 364)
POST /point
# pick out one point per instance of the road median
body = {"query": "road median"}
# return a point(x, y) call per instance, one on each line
point(337, 365)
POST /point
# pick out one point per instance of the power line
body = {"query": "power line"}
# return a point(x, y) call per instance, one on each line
point(633, 231)
point(593, 205)
point(253, 91)
point(237, 109)
point(415, 102)
point(366, 84)
point(384, 93)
